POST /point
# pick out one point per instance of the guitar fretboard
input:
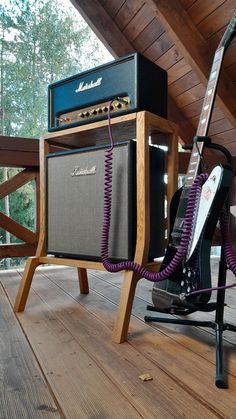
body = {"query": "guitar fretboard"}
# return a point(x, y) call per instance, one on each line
point(210, 93)
point(194, 163)
point(205, 116)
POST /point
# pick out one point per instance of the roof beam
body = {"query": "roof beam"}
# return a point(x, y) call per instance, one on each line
point(195, 50)
point(104, 27)
point(118, 45)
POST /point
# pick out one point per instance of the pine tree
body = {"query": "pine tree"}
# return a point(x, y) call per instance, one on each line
point(41, 42)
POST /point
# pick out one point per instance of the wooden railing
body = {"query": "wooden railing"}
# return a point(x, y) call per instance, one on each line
point(22, 153)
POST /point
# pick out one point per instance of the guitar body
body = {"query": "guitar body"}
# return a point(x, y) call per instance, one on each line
point(194, 272)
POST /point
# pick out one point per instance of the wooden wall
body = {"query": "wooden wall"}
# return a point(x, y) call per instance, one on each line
point(181, 36)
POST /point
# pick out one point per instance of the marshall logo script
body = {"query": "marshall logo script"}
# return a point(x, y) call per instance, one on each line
point(83, 172)
point(86, 86)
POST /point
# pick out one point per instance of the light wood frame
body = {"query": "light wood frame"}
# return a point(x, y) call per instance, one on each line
point(142, 126)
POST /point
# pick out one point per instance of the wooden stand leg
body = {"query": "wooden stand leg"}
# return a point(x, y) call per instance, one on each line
point(125, 306)
point(83, 280)
point(25, 284)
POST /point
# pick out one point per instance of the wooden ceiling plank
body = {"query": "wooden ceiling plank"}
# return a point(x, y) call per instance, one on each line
point(139, 22)
point(171, 57)
point(216, 116)
point(192, 112)
point(178, 70)
point(231, 148)
point(104, 27)
point(115, 41)
point(231, 71)
point(219, 127)
point(186, 4)
point(193, 109)
point(195, 50)
point(201, 9)
point(184, 83)
point(214, 40)
point(186, 130)
point(148, 36)
point(216, 20)
point(112, 6)
point(127, 12)
point(190, 96)
point(159, 47)
point(225, 139)
point(230, 59)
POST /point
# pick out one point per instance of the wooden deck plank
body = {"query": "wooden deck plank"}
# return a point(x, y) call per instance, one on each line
point(143, 297)
point(177, 334)
point(198, 340)
point(181, 335)
point(24, 392)
point(143, 292)
point(80, 386)
point(122, 363)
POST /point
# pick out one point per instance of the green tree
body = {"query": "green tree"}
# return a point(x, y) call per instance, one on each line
point(45, 43)
point(41, 42)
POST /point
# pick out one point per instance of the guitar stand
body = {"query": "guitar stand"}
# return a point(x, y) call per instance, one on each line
point(218, 325)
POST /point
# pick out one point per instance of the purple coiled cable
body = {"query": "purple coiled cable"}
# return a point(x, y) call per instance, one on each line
point(187, 231)
point(227, 245)
point(131, 265)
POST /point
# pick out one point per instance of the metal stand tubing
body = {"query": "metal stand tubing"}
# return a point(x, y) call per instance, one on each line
point(220, 301)
point(229, 327)
point(219, 378)
point(219, 322)
point(180, 321)
point(218, 325)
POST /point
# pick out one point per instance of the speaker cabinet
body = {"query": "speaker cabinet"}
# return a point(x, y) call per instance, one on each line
point(74, 202)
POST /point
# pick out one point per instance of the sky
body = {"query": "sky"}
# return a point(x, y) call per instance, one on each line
point(68, 5)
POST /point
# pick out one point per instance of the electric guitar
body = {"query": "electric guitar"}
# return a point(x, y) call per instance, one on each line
point(194, 272)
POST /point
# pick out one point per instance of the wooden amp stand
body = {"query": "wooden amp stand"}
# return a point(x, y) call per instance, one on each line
point(141, 126)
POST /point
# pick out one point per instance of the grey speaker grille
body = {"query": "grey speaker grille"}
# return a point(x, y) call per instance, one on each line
point(75, 203)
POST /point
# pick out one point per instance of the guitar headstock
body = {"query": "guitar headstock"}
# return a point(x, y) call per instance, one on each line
point(229, 33)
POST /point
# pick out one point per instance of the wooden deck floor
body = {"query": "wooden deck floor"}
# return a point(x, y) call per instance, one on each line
point(57, 359)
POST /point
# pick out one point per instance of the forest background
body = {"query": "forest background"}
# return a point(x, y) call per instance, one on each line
point(40, 42)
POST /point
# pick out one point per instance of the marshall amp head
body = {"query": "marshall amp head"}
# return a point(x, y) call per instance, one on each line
point(134, 82)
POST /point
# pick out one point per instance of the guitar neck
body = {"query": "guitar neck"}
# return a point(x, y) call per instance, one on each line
point(202, 129)
point(208, 102)
point(205, 116)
